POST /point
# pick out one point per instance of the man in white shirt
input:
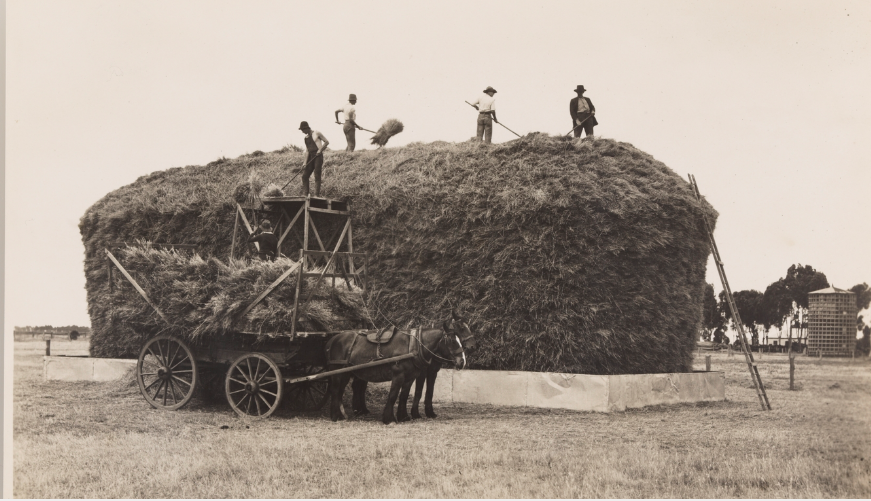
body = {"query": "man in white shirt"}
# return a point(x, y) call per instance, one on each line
point(486, 106)
point(350, 125)
point(315, 144)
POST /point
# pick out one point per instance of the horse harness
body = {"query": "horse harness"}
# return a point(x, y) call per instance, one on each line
point(383, 336)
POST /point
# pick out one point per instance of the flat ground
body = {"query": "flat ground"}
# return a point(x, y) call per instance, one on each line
point(101, 440)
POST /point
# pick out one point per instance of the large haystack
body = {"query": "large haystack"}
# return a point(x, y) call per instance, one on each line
point(568, 255)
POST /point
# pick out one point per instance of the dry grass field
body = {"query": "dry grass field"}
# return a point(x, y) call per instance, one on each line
point(101, 440)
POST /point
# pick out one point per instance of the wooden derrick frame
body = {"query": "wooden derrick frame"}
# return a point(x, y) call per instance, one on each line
point(336, 264)
point(315, 248)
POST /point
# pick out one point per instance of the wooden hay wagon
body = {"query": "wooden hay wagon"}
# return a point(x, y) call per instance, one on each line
point(258, 372)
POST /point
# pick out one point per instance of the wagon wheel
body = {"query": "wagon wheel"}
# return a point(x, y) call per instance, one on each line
point(166, 372)
point(308, 395)
point(253, 385)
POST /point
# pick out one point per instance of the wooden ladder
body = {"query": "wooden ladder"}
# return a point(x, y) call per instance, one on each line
point(748, 356)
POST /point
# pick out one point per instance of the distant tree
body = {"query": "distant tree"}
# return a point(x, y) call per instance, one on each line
point(863, 345)
point(863, 295)
point(711, 317)
point(750, 309)
point(785, 297)
point(720, 335)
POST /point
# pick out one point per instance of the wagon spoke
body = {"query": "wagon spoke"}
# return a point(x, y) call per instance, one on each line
point(237, 391)
point(269, 393)
point(162, 358)
point(243, 383)
point(257, 371)
point(172, 387)
point(258, 404)
point(248, 363)
point(154, 355)
point(169, 360)
point(270, 381)
point(164, 394)
point(243, 374)
point(268, 405)
point(152, 384)
point(183, 359)
point(181, 380)
point(239, 403)
point(147, 373)
point(187, 370)
point(248, 407)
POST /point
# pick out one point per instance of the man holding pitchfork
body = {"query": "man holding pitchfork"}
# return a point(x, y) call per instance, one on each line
point(583, 113)
point(315, 144)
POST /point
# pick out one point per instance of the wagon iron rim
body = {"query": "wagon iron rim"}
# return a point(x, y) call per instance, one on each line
point(308, 395)
point(166, 372)
point(254, 385)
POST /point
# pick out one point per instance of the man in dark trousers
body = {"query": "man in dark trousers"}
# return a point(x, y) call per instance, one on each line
point(315, 144)
point(350, 127)
point(268, 241)
point(583, 113)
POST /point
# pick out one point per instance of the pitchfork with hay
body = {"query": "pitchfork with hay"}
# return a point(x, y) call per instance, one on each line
point(389, 129)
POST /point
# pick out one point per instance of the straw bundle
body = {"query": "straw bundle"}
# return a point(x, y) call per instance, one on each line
point(389, 129)
point(582, 256)
point(272, 190)
point(205, 297)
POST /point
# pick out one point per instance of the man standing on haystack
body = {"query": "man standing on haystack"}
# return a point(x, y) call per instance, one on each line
point(315, 144)
point(583, 113)
point(486, 106)
point(350, 125)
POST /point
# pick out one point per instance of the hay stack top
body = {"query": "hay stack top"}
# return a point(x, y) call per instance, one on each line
point(567, 255)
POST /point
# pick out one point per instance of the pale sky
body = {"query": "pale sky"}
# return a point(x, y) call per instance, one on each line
point(766, 103)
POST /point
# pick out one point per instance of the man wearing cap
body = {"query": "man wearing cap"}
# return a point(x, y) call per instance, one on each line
point(350, 125)
point(268, 241)
point(315, 144)
point(486, 106)
point(583, 113)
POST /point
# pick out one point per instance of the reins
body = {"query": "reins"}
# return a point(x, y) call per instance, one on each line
point(436, 355)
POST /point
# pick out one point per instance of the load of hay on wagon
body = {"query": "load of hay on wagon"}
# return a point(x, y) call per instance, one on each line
point(583, 256)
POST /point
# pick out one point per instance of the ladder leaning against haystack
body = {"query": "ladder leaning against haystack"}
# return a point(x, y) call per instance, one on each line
point(748, 356)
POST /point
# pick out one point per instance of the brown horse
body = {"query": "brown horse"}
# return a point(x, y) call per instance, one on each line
point(347, 350)
point(428, 375)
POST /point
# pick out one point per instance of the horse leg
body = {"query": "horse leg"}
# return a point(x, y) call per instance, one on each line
point(359, 400)
point(337, 389)
point(418, 392)
point(402, 410)
point(387, 416)
point(431, 374)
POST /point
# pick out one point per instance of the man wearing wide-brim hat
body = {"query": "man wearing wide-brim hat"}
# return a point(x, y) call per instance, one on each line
point(315, 144)
point(350, 127)
point(583, 113)
point(486, 106)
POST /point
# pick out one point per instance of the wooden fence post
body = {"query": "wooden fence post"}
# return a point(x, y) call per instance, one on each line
point(47, 346)
point(708, 363)
point(791, 371)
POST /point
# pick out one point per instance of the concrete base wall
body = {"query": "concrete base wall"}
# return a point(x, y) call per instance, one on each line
point(85, 368)
point(581, 392)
